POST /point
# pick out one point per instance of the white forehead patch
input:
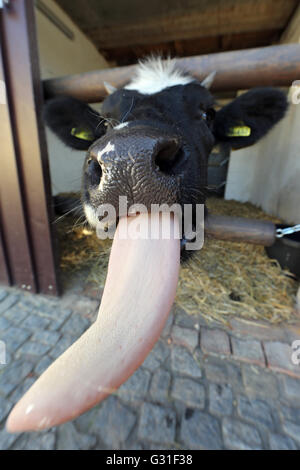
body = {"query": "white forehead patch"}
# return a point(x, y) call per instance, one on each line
point(154, 75)
point(108, 148)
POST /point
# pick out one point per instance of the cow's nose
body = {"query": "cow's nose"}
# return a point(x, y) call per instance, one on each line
point(166, 154)
point(154, 152)
point(94, 170)
point(139, 163)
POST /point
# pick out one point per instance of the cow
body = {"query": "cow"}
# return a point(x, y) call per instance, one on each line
point(153, 138)
point(151, 143)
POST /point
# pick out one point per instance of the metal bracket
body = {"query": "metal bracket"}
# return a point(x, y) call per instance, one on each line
point(281, 232)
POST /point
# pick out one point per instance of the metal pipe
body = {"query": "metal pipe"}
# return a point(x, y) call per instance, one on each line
point(239, 229)
point(236, 70)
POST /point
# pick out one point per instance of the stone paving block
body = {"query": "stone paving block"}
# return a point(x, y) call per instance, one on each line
point(160, 447)
point(184, 337)
point(5, 407)
point(289, 413)
point(88, 420)
point(247, 350)
point(157, 424)
point(6, 388)
point(134, 446)
point(16, 314)
point(21, 389)
point(33, 349)
point(291, 389)
point(200, 430)
point(160, 385)
point(34, 322)
point(59, 320)
point(46, 337)
point(235, 376)
point(214, 341)
point(4, 325)
point(136, 387)
point(75, 326)
point(16, 372)
point(35, 441)
point(8, 302)
point(240, 436)
point(216, 373)
point(279, 442)
point(191, 393)
point(181, 318)
point(60, 347)
point(183, 362)
point(261, 331)
point(279, 358)
point(114, 423)
point(168, 326)
point(56, 314)
point(42, 365)
point(220, 399)
point(259, 382)
point(7, 439)
point(255, 411)
point(14, 337)
point(3, 294)
point(68, 438)
point(25, 304)
point(157, 357)
point(292, 430)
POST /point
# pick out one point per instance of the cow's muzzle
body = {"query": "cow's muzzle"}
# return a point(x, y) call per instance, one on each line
point(139, 163)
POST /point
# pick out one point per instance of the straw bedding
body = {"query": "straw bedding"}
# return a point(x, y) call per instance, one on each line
point(222, 280)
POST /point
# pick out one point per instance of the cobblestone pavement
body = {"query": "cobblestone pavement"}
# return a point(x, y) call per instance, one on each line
point(202, 386)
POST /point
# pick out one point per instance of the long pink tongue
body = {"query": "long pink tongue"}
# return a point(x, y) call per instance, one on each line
point(138, 295)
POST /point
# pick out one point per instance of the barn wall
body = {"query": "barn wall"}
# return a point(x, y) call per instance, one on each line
point(268, 174)
point(59, 56)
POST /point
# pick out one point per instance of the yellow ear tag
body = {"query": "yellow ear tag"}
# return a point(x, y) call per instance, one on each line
point(82, 134)
point(239, 131)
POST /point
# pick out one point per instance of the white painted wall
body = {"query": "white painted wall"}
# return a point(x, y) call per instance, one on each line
point(268, 174)
point(59, 56)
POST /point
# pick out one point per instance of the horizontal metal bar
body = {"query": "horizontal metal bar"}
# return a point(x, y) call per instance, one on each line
point(236, 70)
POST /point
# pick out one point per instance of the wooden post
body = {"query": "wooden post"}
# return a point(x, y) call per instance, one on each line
point(25, 182)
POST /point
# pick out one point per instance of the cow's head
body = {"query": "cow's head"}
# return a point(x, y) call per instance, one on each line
point(153, 138)
point(151, 144)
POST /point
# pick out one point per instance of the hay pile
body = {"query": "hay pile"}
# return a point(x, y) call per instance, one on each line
point(223, 279)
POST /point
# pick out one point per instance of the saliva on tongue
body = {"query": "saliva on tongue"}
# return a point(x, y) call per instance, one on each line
point(138, 295)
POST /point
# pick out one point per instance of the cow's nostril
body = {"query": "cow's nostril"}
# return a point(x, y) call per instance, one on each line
point(94, 172)
point(167, 155)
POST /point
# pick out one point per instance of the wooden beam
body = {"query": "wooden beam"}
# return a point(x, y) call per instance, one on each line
point(25, 98)
point(292, 31)
point(16, 265)
point(237, 70)
point(134, 22)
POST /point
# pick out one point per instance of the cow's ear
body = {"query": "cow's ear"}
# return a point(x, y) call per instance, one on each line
point(250, 116)
point(73, 121)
